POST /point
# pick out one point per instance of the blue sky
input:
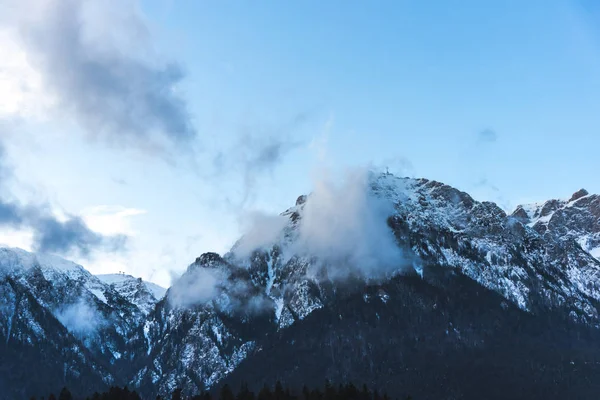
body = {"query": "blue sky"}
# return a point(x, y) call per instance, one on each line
point(249, 101)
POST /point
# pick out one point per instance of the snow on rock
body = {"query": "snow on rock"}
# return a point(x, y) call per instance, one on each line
point(88, 308)
point(141, 293)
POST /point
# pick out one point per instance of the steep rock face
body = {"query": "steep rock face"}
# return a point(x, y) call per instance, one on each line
point(195, 342)
point(576, 219)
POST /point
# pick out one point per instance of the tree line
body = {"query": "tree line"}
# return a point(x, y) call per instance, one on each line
point(278, 392)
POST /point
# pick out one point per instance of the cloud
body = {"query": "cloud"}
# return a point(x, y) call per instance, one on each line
point(73, 235)
point(80, 318)
point(263, 153)
point(260, 229)
point(210, 279)
point(119, 181)
point(95, 59)
point(50, 234)
point(111, 220)
point(344, 225)
point(259, 150)
point(10, 214)
point(487, 136)
point(196, 287)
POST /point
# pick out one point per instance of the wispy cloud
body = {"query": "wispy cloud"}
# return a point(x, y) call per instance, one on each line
point(80, 318)
point(258, 151)
point(487, 136)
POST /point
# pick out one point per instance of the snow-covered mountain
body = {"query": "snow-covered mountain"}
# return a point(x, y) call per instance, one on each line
point(384, 270)
point(577, 218)
point(143, 294)
point(53, 305)
point(279, 284)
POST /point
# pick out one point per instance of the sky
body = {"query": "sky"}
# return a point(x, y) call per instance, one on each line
point(137, 135)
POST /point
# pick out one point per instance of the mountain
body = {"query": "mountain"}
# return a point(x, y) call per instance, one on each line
point(409, 285)
point(485, 284)
point(143, 294)
point(56, 315)
point(577, 218)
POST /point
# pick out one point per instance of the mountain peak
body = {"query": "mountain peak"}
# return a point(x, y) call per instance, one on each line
point(579, 194)
point(139, 292)
point(209, 259)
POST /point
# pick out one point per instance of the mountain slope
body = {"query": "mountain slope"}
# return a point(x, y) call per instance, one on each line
point(441, 338)
point(408, 284)
point(66, 319)
point(267, 289)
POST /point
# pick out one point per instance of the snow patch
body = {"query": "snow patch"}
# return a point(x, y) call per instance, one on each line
point(278, 308)
point(271, 274)
point(99, 294)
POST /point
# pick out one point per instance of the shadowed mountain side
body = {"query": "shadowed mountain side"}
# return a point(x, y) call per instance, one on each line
point(449, 340)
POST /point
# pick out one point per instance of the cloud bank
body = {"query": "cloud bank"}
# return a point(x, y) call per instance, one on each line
point(261, 230)
point(345, 226)
point(96, 61)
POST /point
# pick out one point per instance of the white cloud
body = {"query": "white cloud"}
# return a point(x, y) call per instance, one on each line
point(197, 286)
point(21, 87)
point(21, 238)
point(93, 62)
point(110, 220)
point(260, 229)
point(345, 226)
point(80, 318)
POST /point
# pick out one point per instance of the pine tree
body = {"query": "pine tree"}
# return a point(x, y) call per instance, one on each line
point(176, 394)
point(226, 393)
point(265, 393)
point(305, 393)
point(364, 394)
point(330, 393)
point(65, 394)
point(245, 393)
point(278, 393)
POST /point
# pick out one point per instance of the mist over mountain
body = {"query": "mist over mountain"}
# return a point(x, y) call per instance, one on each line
point(408, 285)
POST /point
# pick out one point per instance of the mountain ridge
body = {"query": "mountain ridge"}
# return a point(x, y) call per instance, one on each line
point(368, 242)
